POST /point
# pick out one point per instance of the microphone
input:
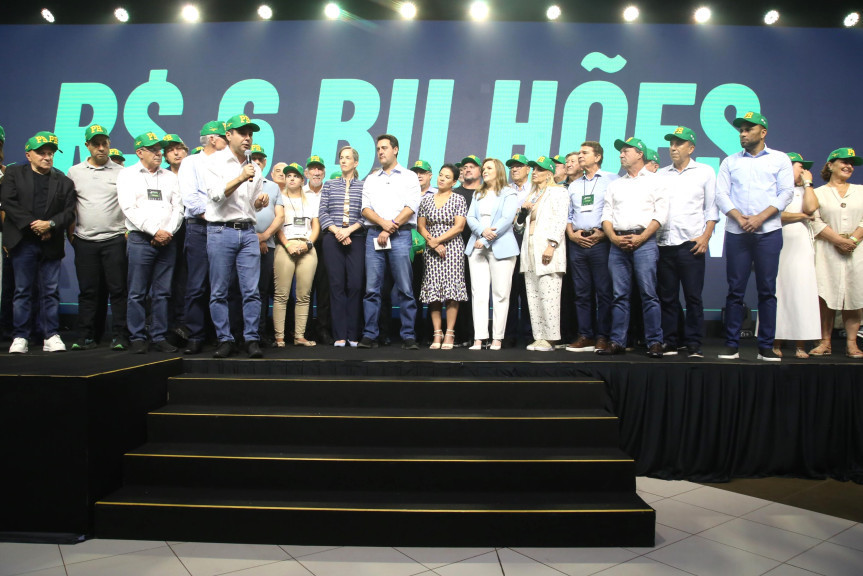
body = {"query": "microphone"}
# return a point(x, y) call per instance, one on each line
point(249, 161)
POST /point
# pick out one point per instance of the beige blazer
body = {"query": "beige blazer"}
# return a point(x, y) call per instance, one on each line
point(551, 217)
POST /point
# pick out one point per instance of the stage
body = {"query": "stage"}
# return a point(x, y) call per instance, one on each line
point(69, 418)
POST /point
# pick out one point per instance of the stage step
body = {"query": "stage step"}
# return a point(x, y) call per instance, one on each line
point(370, 468)
point(379, 460)
point(370, 519)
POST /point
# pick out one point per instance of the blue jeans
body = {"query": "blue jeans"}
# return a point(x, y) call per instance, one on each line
point(29, 268)
point(229, 250)
point(621, 265)
point(589, 268)
point(743, 252)
point(197, 284)
point(679, 267)
point(151, 269)
point(398, 260)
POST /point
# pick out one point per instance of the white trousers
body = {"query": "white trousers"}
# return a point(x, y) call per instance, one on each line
point(487, 272)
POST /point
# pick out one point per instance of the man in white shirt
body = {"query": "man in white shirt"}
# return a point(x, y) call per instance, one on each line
point(391, 197)
point(234, 194)
point(692, 215)
point(314, 173)
point(636, 205)
point(150, 198)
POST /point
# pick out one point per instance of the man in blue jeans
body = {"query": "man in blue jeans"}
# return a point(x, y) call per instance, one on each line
point(234, 195)
point(636, 205)
point(752, 189)
point(391, 197)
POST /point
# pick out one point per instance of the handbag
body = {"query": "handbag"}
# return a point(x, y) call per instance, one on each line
point(418, 243)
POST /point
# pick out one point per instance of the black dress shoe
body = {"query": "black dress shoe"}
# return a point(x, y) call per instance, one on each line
point(613, 349)
point(655, 350)
point(410, 344)
point(254, 349)
point(367, 343)
point(224, 350)
point(165, 346)
point(194, 347)
point(138, 347)
point(325, 338)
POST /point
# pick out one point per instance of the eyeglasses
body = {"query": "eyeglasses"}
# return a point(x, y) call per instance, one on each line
point(157, 150)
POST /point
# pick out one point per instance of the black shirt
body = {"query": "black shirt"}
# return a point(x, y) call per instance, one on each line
point(40, 194)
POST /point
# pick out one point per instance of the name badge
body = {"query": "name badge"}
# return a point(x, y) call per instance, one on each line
point(587, 200)
point(153, 194)
point(299, 221)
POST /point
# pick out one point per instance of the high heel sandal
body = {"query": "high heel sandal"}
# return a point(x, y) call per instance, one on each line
point(450, 334)
point(495, 345)
point(477, 345)
point(823, 349)
point(437, 336)
point(853, 351)
point(280, 342)
point(800, 353)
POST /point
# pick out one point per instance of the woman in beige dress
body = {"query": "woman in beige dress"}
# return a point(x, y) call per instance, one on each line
point(838, 229)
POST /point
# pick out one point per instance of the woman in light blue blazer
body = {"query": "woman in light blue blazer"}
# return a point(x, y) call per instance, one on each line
point(491, 251)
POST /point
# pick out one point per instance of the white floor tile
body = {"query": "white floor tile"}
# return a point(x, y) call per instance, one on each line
point(722, 501)
point(515, 564)
point(664, 488)
point(831, 560)
point(55, 571)
point(361, 561)
point(18, 558)
point(665, 535)
point(485, 565)
point(643, 567)
point(299, 551)
point(577, 561)
point(759, 539)
point(209, 558)
point(788, 570)
point(705, 557)
point(648, 497)
point(686, 517)
point(799, 520)
point(154, 562)
point(284, 568)
point(437, 557)
point(98, 548)
point(853, 537)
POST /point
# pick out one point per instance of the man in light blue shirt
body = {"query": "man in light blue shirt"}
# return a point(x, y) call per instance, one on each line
point(268, 222)
point(753, 188)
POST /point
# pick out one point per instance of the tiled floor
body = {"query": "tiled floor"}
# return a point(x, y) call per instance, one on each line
point(700, 530)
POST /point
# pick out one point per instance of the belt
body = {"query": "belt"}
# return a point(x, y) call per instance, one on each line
point(234, 225)
point(402, 227)
point(628, 232)
point(196, 220)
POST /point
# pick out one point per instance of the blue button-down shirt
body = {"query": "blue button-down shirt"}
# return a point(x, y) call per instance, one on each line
point(751, 184)
point(587, 217)
point(268, 213)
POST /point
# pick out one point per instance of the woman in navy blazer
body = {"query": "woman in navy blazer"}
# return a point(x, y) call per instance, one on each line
point(491, 251)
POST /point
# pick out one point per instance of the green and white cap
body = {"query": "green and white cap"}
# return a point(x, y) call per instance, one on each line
point(632, 142)
point(752, 118)
point(40, 139)
point(795, 157)
point(216, 127)
point(239, 121)
point(2, 134)
point(650, 155)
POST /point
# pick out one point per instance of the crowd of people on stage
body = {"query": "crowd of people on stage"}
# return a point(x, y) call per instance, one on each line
point(192, 247)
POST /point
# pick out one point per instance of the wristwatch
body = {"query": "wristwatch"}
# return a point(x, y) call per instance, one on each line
point(552, 243)
point(52, 223)
point(309, 244)
point(807, 184)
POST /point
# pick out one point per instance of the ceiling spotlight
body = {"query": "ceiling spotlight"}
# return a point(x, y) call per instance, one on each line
point(46, 14)
point(553, 12)
point(630, 14)
point(408, 10)
point(121, 15)
point(332, 11)
point(479, 10)
point(850, 20)
point(265, 12)
point(190, 13)
point(702, 15)
point(771, 17)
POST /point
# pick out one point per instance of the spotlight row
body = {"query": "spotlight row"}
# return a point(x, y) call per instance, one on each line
point(479, 10)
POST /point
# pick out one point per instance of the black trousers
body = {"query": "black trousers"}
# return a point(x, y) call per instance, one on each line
point(321, 291)
point(95, 261)
point(265, 288)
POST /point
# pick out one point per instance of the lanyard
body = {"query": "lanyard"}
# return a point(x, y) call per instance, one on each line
point(291, 200)
point(584, 186)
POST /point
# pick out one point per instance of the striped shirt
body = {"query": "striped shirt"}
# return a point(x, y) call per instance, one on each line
point(332, 203)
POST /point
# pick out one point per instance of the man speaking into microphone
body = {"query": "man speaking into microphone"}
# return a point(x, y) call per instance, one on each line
point(234, 194)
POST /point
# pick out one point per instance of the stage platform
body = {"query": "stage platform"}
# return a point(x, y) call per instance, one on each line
point(68, 418)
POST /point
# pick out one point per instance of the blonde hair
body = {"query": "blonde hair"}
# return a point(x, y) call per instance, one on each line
point(499, 182)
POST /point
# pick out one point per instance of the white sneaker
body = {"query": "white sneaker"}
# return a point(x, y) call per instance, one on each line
point(54, 344)
point(19, 346)
point(543, 346)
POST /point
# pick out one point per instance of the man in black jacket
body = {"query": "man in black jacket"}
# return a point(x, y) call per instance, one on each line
point(39, 203)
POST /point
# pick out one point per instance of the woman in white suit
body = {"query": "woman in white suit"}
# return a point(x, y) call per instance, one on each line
point(543, 252)
point(491, 251)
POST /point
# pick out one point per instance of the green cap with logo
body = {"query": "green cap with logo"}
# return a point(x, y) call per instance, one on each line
point(517, 159)
point(471, 158)
point(421, 166)
point(559, 159)
point(650, 155)
point(257, 149)
point(752, 118)
point(196, 150)
point(336, 175)
point(114, 153)
point(633, 142)
point(2, 134)
point(173, 139)
point(239, 121)
point(40, 139)
point(148, 139)
point(543, 162)
point(846, 153)
point(293, 167)
point(95, 130)
point(683, 133)
point(216, 127)
point(315, 160)
point(795, 157)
